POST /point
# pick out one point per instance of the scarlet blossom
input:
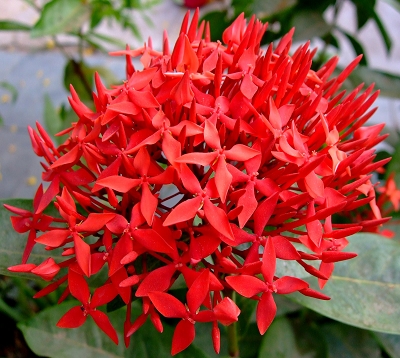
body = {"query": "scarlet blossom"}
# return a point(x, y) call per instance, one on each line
point(201, 171)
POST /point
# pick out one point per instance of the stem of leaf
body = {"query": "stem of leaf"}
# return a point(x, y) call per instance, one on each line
point(233, 339)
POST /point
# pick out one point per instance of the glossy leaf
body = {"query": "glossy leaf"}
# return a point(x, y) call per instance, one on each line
point(364, 291)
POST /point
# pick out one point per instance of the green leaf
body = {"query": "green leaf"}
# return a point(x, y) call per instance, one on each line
point(365, 10)
point(51, 117)
point(12, 244)
point(45, 339)
point(10, 88)
point(250, 343)
point(364, 291)
point(390, 343)
point(80, 75)
point(282, 341)
point(387, 83)
point(386, 37)
point(8, 25)
point(308, 25)
point(61, 16)
point(357, 47)
point(350, 342)
point(218, 23)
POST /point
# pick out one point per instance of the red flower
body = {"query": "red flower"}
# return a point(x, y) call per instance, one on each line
point(205, 166)
point(77, 316)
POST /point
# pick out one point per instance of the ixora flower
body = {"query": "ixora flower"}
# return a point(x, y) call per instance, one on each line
point(209, 165)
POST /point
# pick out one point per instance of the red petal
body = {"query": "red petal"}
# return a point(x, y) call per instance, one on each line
point(151, 240)
point(118, 183)
point(54, 238)
point(183, 336)
point(269, 261)
point(123, 247)
point(78, 287)
point(189, 180)
point(82, 252)
point(263, 213)
point(148, 204)
point(184, 211)
point(103, 295)
point(104, 324)
point(247, 286)
point(288, 284)
point(226, 311)
point(198, 291)
point(21, 268)
point(266, 311)
point(223, 178)
point(203, 159)
point(168, 305)
point(74, 318)
point(284, 250)
point(218, 219)
point(241, 153)
point(95, 222)
point(211, 135)
point(182, 92)
point(157, 280)
point(142, 99)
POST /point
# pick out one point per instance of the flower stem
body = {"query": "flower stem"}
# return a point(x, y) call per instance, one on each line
point(233, 339)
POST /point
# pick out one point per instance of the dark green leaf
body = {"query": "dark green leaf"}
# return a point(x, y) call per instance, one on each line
point(10, 88)
point(12, 244)
point(350, 342)
point(282, 341)
point(365, 10)
point(357, 47)
point(250, 343)
point(8, 25)
point(80, 75)
point(382, 30)
point(218, 23)
point(330, 39)
point(364, 291)
point(390, 343)
point(45, 339)
point(51, 118)
point(61, 16)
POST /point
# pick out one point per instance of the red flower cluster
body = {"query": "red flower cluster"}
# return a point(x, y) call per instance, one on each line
point(209, 165)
